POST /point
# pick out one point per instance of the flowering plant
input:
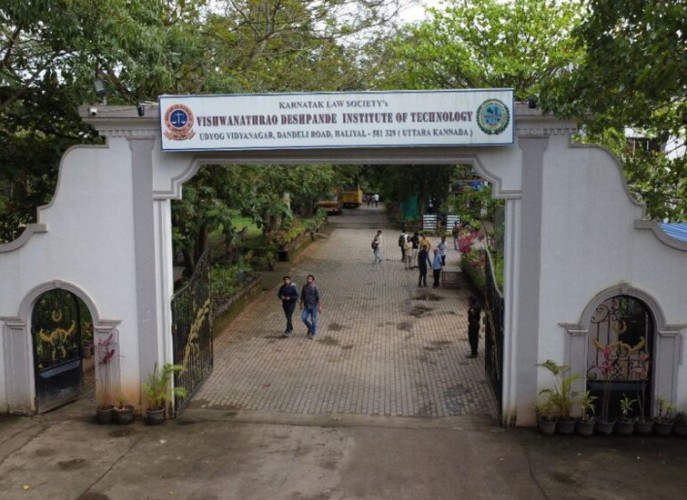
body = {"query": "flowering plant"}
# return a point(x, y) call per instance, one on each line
point(105, 350)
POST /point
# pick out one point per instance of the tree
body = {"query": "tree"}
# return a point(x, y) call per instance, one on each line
point(484, 44)
point(633, 75)
point(50, 53)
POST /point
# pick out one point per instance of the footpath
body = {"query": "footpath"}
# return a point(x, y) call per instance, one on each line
point(381, 405)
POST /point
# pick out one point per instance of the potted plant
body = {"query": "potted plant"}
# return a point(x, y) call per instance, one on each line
point(546, 420)
point(123, 412)
point(626, 425)
point(663, 425)
point(604, 425)
point(644, 424)
point(680, 423)
point(158, 391)
point(561, 396)
point(105, 350)
point(587, 421)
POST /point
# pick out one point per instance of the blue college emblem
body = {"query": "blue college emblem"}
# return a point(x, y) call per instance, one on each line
point(493, 117)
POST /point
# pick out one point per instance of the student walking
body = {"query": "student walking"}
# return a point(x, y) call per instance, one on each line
point(442, 246)
point(474, 313)
point(422, 263)
point(436, 267)
point(377, 246)
point(288, 294)
point(311, 305)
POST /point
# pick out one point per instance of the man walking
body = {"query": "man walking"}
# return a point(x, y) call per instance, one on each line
point(288, 294)
point(473, 326)
point(377, 246)
point(422, 263)
point(436, 267)
point(311, 305)
point(402, 243)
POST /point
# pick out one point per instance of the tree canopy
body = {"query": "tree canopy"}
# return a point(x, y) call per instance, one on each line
point(633, 74)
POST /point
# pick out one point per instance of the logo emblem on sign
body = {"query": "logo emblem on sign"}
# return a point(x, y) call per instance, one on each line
point(179, 123)
point(493, 117)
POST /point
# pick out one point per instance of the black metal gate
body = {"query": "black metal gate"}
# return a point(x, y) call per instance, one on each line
point(192, 332)
point(621, 336)
point(493, 334)
point(57, 326)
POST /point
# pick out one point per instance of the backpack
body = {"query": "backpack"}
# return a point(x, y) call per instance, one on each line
point(402, 240)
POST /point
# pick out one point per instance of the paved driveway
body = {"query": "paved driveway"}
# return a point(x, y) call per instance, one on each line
point(384, 346)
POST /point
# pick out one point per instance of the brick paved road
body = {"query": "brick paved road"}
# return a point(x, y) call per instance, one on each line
point(384, 346)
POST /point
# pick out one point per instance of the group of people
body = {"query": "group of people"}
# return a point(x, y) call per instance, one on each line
point(310, 300)
point(414, 253)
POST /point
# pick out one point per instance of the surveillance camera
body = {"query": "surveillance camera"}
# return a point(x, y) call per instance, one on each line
point(93, 111)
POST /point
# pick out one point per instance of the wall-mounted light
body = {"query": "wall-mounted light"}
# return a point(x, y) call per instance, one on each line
point(532, 102)
point(141, 108)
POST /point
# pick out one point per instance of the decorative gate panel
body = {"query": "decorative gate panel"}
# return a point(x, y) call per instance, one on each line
point(57, 324)
point(621, 335)
point(192, 332)
point(493, 333)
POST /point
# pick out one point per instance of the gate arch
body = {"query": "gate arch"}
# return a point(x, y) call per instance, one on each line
point(19, 355)
point(665, 350)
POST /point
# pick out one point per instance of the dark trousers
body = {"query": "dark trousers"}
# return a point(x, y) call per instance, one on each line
point(473, 338)
point(423, 276)
point(437, 273)
point(289, 307)
point(403, 254)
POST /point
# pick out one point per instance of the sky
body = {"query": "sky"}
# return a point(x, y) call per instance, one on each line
point(415, 9)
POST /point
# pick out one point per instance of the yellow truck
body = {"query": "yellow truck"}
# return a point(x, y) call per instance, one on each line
point(331, 203)
point(351, 197)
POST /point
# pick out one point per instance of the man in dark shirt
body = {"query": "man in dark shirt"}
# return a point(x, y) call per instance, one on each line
point(311, 305)
point(288, 294)
point(474, 313)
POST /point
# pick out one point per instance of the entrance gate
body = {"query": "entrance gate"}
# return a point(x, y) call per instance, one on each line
point(493, 332)
point(192, 332)
point(57, 325)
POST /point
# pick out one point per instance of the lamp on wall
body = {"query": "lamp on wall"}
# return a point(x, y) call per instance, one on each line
point(101, 90)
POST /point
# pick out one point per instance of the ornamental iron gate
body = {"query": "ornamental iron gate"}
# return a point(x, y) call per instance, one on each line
point(493, 332)
point(621, 335)
point(60, 322)
point(192, 332)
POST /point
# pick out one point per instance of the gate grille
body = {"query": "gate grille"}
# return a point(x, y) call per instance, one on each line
point(493, 334)
point(192, 332)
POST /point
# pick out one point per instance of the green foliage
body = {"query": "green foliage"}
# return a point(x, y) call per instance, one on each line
point(626, 406)
point(483, 44)
point(587, 406)
point(632, 76)
point(561, 396)
point(226, 281)
point(157, 388)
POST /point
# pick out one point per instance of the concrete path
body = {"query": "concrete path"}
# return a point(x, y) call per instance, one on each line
point(384, 346)
point(398, 415)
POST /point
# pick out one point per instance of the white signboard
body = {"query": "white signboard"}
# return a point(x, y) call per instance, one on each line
point(337, 120)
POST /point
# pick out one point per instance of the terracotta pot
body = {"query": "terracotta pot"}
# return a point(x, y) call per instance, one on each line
point(605, 427)
point(680, 429)
point(155, 416)
point(566, 426)
point(123, 416)
point(625, 427)
point(644, 427)
point(585, 428)
point(103, 415)
point(663, 428)
point(547, 427)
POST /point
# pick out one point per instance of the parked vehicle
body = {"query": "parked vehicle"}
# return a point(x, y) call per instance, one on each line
point(330, 204)
point(352, 197)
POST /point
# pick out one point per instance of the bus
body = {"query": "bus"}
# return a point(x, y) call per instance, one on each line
point(351, 197)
